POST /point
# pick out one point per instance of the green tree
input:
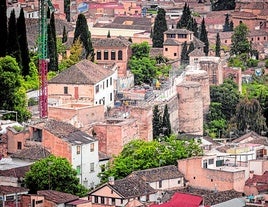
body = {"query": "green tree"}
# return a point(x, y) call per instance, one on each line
point(64, 35)
point(54, 173)
point(52, 45)
point(108, 35)
point(240, 43)
point(190, 49)
point(3, 28)
point(156, 122)
point(82, 32)
point(249, 116)
point(184, 58)
point(23, 44)
point(185, 17)
point(218, 5)
point(218, 46)
point(204, 36)
point(13, 95)
point(227, 95)
point(166, 126)
point(13, 47)
point(160, 26)
point(226, 26)
point(140, 50)
point(140, 155)
point(144, 69)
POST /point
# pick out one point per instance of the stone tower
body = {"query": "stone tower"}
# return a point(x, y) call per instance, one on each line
point(190, 107)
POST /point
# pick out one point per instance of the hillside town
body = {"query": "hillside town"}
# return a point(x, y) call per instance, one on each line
point(100, 108)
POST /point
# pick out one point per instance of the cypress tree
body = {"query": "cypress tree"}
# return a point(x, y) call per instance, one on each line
point(13, 47)
point(190, 49)
point(166, 126)
point(185, 17)
point(52, 45)
point(184, 53)
point(3, 27)
point(156, 122)
point(82, 32)
point(67, 10)
point(160, 26)
point(231, 26)
point(218, 46)
point(108, 35)
point(204, 36)
point(22, 38)
point(226, 26)
point(64, 35)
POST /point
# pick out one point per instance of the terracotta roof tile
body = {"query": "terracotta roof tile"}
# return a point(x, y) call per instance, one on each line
point(240, 14)
point(132, 186)
point(65, 131)
point(32, 153)
point(84, 72)
point(57, 197)
point(170, 41)
point(111, 42)
point(178, 31)
point(12, 189)
point(196, 53)
point(260, 181)
point(160, 173)
point(18, 172)
point(243, 139)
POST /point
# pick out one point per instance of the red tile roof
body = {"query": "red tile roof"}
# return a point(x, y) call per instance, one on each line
point(182, 200)
point(261, 181)
point(57, 197)
point(11, 190)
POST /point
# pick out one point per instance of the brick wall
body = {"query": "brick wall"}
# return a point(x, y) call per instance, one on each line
point(15, 138)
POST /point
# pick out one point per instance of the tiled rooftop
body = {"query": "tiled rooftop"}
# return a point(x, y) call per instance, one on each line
point(84, 72)
point(57, 197)
point(160, 173)
point(17, 172)
point(11, 190)
point(33, 153)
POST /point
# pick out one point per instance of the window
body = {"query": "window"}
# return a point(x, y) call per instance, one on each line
point(205, 164)
point(225, 41)
point(78, 150)
point(122, 201)
point(19, 145)
point(103, 84)
point(38, 202)
point(92, 167)
point(171, 35)
point(111, 96)
point(258, 38)
point(175, 54)
point(111, 81)
point(102, 200)
point(179, 181)
point(107, 83)
point(160, 183)
point(166, 49)
point(105, 55)
point(211, 161)
point(92, 147)
point(97, 88)
point(252, 39)
point(65, 89)
point(113, 201)
point(113, 55)
point(264, 38)
point(211, 180)
point(120, 55)
point(78, 169)
point(182, 35)
point(98, 55)
point(96, 199)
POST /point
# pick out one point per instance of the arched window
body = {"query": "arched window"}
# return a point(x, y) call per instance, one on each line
point(98, 55)
point(113, 55)
point(120, 55)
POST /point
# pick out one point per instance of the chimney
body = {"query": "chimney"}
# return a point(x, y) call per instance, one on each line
point(111, 180)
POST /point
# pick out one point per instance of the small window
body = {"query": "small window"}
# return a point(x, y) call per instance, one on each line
point(98, 55)
point(65, 90)
point(179, 181)
point(211, 161)
point(258, 38)
point(264, 38)
point(252, 39)
point(96, 199)
point(78, 169)
point(166, 49)
point(103, 85)
point(97, 88)
point(111, 96)
point(175, 54)
point(194, 178)
point(105, 55)
point(113, 201)
point(113, 55)
point(102, 200)
point(120, 55)
point(92, 167)
point(211, 180)
point(160, 183)
point(122, 201)
point(225, 41)
point(111, 81)
point(78, 150)
point(92, 147)
point(19, 146)
point(107, 83)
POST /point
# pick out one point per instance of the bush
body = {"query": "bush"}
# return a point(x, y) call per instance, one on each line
point(252, 63)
